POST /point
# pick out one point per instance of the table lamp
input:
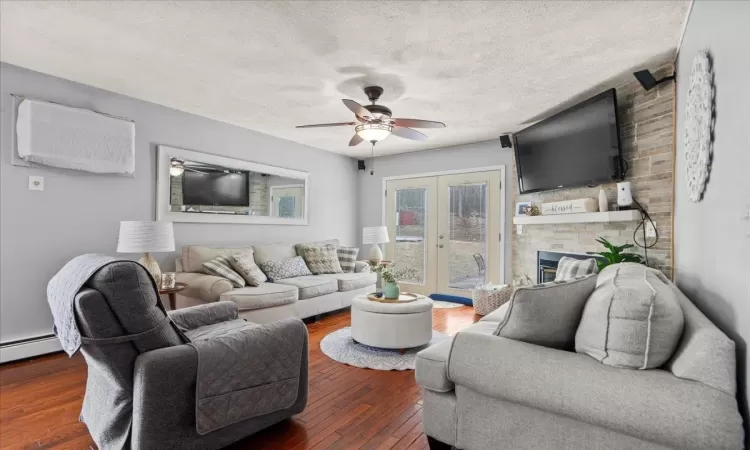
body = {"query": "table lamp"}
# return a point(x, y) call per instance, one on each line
point(146, 237)
point(375, 236)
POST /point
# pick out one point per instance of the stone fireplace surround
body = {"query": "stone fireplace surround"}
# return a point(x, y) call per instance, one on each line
point(547, 261)
point(647, 135)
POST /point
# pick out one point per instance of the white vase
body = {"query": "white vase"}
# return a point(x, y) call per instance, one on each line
point(603, 203)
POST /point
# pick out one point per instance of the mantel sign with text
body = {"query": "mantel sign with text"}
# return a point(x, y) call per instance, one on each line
point(581, 205)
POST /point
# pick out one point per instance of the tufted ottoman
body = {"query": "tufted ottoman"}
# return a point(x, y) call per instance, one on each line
point(392, 325)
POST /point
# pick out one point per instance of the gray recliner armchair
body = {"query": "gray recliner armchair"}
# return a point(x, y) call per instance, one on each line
point(145, 371)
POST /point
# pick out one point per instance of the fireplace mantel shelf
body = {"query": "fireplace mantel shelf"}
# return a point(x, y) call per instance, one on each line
point(593, 217)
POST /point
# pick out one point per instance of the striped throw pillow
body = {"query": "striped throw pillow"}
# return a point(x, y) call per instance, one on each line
point(221, 267)
point(570, 268)
point(347, 258)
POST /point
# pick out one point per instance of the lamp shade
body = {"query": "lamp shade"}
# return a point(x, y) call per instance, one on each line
point(145, 237)
point(375, 235)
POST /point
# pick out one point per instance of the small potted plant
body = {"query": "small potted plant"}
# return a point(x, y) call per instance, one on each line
point(390, 275)
point(615, 254)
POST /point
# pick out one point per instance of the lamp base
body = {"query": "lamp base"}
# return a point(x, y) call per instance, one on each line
point(376, 255)
point(152, 266)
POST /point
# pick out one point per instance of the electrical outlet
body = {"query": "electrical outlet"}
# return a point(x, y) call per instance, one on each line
point(519, 229)
point(650, 229)
point(36, 183)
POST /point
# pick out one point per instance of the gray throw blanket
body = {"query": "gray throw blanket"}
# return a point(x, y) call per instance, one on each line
point(245, 370)
point(61, 293)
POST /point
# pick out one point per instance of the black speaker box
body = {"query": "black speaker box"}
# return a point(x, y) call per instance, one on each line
point(505, 141)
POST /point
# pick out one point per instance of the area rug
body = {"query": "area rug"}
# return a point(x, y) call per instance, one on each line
point(339, 346)
point(439, 304)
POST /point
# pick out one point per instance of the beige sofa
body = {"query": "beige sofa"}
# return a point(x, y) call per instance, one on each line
point(301, 297)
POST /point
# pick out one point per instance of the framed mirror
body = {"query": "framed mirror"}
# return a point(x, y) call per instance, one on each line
point(199, 187)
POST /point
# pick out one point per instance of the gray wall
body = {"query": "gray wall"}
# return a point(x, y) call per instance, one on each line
point(469, 156)
point(80, 212)
point(712, 237)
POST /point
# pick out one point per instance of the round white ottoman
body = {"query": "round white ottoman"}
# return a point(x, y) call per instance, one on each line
point(392, 325)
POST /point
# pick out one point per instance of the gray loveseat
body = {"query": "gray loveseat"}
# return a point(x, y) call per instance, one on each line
point(301, 297)
point(485, 392)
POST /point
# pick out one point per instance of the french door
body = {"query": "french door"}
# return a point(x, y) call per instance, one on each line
point(446, 228)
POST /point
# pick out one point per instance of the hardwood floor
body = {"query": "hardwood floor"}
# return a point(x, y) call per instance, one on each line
point(347, 408)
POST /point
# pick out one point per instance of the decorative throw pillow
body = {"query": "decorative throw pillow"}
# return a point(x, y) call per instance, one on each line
point(547, 314)
point(221, 267)
point(320, 259)
point(348, 258)
point(285, 268)
point(569, 268)
point(632, 320)
point(244, 264)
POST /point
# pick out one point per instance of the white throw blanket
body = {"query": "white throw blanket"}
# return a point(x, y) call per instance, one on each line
point(74, 138)
point(61, 293)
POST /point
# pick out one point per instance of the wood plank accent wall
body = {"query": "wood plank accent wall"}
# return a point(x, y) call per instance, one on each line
point(647, 133)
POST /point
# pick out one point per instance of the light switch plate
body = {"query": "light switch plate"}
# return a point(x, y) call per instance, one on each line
point(36, 183)
point(519, 229)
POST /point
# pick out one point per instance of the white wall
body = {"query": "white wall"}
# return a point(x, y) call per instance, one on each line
point(471, 156)
point(712, 237)
point(80, 212)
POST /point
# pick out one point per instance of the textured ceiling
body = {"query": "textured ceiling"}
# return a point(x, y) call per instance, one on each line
point(483, 68)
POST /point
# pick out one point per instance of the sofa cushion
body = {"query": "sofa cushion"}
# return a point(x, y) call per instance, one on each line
point(263, 296)
point(348, 258)
point(497, 315)
point(352, 281)
point(244, 264)
point(221, 266)
point(705, 354)
point(275, 252)
point(570, 268)
point(632, 320)
point(193, 256)
point(311, 286)
point(547, 314)
point(320, 259)
point(285, 268)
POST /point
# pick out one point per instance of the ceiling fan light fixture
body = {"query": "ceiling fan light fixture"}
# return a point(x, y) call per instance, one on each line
point(373, 132)
point(176, 168)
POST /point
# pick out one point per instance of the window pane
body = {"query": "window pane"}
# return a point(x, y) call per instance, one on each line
point(411, 230)
point(468, 235)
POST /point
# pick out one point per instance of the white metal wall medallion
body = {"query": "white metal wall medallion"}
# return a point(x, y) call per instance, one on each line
point(699, 123)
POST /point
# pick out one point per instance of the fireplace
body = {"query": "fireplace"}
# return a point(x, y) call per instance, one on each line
point(546, 263)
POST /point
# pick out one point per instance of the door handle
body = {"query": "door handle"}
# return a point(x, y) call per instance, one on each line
point(440, 246)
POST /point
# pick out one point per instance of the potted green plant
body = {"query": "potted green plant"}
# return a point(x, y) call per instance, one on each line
point(390, 274)
point(615, 254)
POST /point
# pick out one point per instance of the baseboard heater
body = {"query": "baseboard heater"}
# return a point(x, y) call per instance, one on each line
point(26, 348)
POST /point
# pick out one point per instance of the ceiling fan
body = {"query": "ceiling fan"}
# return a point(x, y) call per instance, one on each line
point(374, 122)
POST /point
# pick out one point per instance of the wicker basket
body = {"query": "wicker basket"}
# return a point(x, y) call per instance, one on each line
point(487, 301)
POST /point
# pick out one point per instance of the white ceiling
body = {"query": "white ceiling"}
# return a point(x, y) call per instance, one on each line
point(483, 68)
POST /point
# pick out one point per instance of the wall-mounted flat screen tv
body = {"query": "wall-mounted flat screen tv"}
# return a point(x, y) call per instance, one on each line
point(577, 147)
point(215, 188)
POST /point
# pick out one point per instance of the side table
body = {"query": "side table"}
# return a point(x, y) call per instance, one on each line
point(172, 293)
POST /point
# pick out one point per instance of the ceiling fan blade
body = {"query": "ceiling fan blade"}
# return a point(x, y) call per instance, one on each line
point(417, 123)
point(320, 125)
point(408, 133)
point(356, 108)
point(355, 140)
